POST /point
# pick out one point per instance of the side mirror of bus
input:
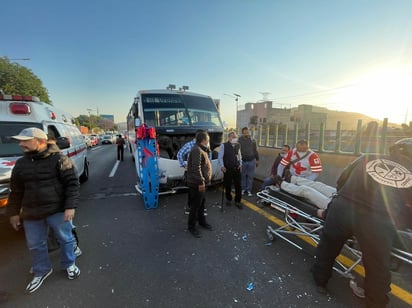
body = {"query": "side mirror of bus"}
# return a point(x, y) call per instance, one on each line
point(62, 143)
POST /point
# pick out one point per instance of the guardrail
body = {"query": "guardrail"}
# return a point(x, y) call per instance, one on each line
point(336, 148)
point(365, 139)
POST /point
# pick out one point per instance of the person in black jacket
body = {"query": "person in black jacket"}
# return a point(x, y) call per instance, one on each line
point(199, 174)
point(250, 160)
point(120, 147)
point(230, 162)
point(374, 198)
point(44, 193)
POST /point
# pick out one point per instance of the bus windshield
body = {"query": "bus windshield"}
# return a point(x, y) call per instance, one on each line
point(179, 110)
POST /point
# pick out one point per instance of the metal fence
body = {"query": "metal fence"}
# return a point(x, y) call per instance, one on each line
point(361, 140)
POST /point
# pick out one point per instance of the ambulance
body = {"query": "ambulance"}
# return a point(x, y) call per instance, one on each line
point(19, 112)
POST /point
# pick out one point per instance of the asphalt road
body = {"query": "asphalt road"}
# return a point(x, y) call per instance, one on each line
point(134, 257)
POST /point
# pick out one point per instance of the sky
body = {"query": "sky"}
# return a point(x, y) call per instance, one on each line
point(347, 55)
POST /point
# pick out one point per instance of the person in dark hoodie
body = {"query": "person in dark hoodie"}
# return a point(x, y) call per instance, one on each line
point(374, 198)
point(44, 193)
point(199, 174)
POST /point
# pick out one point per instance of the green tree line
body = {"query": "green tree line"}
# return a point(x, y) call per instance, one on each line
point(16, 79)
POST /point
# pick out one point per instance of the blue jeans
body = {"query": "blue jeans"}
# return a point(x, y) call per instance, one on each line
point(248, 172)
point(36, 238)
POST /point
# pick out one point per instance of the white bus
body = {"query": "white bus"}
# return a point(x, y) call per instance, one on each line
point(176, 115)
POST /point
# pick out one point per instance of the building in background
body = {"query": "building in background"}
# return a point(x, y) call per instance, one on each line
point(268, 113)
point(107, 117)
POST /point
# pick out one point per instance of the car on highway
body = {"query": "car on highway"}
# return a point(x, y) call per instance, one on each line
point(94, 139)
point(107, 139)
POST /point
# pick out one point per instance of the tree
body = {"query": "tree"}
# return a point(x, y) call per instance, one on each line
point(19, 80)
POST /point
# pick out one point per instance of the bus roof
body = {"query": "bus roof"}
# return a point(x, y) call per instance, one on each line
point(163, 91)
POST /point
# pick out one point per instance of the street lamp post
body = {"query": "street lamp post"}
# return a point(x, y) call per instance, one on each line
point(236, 96)
point(237, 108)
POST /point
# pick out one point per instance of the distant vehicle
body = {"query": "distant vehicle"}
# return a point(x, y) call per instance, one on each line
point(94, 139)
point(176, 115)
point(107, 139)
point(18, 112)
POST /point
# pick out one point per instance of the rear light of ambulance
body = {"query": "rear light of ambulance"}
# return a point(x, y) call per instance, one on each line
point(27, 98)
point(20, 108)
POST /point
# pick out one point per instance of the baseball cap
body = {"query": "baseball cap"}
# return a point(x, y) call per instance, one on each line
point(30, 133)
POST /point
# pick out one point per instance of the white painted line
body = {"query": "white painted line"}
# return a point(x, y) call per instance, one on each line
point(114, 169)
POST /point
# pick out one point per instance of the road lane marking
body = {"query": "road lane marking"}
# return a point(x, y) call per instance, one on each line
point(397, 291)
point(114, 169)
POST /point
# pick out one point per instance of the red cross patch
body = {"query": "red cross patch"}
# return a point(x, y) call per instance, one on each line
point(299, 168)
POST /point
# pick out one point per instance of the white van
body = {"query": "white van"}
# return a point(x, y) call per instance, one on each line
point(19, 112)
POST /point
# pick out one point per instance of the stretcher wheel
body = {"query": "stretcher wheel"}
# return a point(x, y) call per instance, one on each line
point(269, 234)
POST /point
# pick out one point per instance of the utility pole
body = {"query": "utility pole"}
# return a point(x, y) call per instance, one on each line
point(90, 119)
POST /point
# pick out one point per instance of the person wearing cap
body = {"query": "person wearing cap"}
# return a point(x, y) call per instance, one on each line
point(44, 193)
point(373, 200)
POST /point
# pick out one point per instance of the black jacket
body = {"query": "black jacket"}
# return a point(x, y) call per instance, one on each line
point(381, 183)
point(199, 168)
point(43, 184)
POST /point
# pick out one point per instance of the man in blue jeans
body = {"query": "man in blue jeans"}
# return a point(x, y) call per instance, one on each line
point(44, 193)
point(250, 160)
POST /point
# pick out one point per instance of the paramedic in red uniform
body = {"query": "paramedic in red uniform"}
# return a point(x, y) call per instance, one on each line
point(374, 198)
point(302, 162)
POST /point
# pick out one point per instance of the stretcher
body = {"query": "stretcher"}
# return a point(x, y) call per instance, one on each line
point(302, 223)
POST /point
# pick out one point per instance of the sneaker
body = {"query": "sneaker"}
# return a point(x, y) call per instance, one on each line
point(321, 289)
point(207, 226)
point(249, 194)
point(77, 251)
point(37, 282)
point(273, 188)
point(187, 211)
point(243, 191)
point(73, 272)
point(239, 205)
point(195, 233)
point(357, 290)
